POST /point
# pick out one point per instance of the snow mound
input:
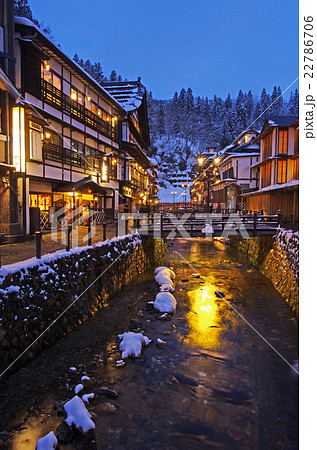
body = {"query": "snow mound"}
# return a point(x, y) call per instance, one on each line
point(78, 415)
point(165, 302)
point(164, 277)
point(131, 344)
point(78, 388)
point(162, 268)
point(86, 397)
point(208, 229)
point(166, 287)
point(48, 442)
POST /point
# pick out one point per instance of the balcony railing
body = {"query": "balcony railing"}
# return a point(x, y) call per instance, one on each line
point(59, 100)
point(63, 155)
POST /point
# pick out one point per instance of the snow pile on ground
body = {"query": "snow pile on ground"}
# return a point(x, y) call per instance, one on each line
point(165, 302)
point(131, 343)
point(164, 268)
point(289, 243)
point(78, 415)
point(164, 276)
point(78, 388)
point(208, 229)
point(166, 287)
point(86, 397)
point(48, 442)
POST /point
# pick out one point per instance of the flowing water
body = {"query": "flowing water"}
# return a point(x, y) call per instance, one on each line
point(217, 383)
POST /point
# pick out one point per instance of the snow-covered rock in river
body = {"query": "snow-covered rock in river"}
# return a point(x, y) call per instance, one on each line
point(86, 397)
point(48, 442)
point(164, 277)
point(166, 287)
point(165, 302)
point(164, 268)
point(78, 415)
point(131, 343)
point(78, 388)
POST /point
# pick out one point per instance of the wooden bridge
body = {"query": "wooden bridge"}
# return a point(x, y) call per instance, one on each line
point(196, 225)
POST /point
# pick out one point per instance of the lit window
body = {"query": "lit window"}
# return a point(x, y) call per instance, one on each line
point(281, 171)
point(73, 94)
point(282, 142)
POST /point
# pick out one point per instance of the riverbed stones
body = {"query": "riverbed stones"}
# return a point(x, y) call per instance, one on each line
point(64, 433)
point(110, 393)
point(105, 409)
point(160, 343)
point(219, 294)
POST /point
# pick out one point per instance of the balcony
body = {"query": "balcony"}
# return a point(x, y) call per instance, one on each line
point(63, 155)
point(61, 101)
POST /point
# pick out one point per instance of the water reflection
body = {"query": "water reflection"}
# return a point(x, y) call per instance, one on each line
point(203, 318)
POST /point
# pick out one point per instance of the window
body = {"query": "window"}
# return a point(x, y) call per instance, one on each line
point(266, 175)
point(296, 169)
point(296, 149)
point(267, 146)
point(42, 201)
point(282, 142)
point(52, 78)
point(50, 137)
point(281, 171)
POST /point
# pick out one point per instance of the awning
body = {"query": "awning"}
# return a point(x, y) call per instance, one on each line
point(86, 185)
point(135, 151)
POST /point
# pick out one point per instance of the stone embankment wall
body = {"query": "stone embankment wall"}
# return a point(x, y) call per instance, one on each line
point(278, 259)
point(34, 293)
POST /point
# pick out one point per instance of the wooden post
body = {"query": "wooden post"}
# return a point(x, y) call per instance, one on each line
point(279, 217)
point(255, 215)
point(117, 226)
point(161, 225)
point(68, 231)
point(104, 231)
point(38, 239)
point(89, 230)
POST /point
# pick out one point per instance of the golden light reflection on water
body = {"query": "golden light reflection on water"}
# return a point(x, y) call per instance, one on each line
point(203, 318)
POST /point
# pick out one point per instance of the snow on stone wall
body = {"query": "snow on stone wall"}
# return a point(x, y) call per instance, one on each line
point(34, 293)
point(289, 243)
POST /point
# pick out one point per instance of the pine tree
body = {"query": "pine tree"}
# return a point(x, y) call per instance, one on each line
point(113, 76)
point(240, 110)
point(249, 106)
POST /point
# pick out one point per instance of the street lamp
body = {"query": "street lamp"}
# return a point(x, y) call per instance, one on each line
point(200, 160)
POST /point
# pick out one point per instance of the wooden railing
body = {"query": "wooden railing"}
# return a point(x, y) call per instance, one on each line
point(253, 224)
point(59, 100)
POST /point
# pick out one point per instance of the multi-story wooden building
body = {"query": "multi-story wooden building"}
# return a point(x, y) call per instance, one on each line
point(9, 218)
point(138, 186)
point(73, 142)
point(279, 169)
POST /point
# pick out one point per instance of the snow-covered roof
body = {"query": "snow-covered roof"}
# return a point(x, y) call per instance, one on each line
point(275, 187)
point(128, 93)
point(26, 22)
point(281, 121)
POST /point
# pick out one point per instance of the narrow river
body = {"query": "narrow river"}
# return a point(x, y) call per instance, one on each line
point(216, 384)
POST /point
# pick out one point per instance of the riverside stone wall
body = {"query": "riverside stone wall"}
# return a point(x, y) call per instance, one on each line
point(277, 258)
point(34, 293)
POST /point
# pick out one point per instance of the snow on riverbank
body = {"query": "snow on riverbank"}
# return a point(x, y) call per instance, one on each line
point(165, 302)
point(131, 343)
point(48, 442)
point(78, 415)
point(288, 240)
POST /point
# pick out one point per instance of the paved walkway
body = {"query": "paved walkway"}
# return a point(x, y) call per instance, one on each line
point(51, 242)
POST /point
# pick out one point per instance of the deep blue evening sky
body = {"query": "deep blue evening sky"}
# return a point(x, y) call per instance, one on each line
point(212, 46)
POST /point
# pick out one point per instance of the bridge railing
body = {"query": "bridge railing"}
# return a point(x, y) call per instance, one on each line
point(255, 224)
